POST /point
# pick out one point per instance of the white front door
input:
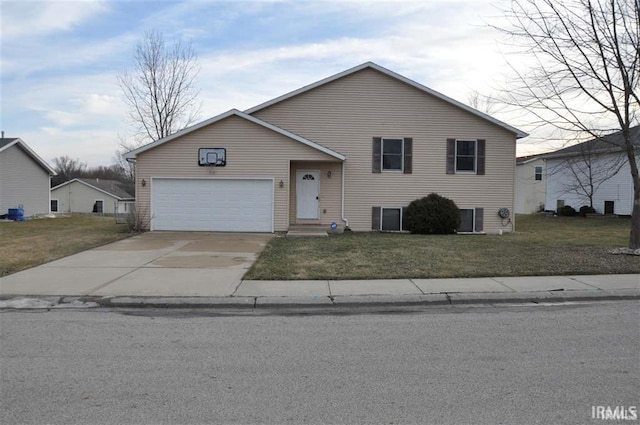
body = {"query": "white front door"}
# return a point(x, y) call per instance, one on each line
point(307, 194)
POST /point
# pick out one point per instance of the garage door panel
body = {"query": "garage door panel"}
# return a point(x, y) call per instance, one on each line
point(212, 205)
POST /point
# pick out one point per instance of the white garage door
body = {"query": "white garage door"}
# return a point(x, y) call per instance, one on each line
point(212, 205)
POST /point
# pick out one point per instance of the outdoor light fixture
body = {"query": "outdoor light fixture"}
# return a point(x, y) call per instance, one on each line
point(281, 184)
point(329, 174)
point(143, 182)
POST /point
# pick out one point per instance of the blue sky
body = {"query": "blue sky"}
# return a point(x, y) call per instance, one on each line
point(59, 60)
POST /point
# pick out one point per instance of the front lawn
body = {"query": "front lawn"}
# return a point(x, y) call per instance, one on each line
point(541, 246)
point(29, 243)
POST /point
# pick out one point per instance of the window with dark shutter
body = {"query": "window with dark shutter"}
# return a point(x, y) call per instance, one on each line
point(392, 156)
point(465, 156)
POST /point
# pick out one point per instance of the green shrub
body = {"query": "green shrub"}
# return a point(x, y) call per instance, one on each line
point(586, 209)
point(567, 211)
point(433, 214)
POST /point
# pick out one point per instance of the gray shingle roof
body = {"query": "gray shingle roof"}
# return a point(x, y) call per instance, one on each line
point(608, 143)
point(4, 142)
point(111, 186)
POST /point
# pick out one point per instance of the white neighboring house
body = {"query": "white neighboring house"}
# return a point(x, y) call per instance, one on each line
point(607, 163)
point(99, 196)
point(25, 178)
point(530, 184)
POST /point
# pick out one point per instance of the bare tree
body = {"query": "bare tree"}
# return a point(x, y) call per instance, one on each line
point(486, 104)
point(583, 75)
point(161, 89)
point(67, 169)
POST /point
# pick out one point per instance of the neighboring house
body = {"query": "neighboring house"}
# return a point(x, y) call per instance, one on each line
point(353, 149)
point(530, 184)
point(25, 178)
point(610, 185)
point(90, 196)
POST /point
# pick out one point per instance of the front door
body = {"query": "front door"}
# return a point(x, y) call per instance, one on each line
point(307, 194)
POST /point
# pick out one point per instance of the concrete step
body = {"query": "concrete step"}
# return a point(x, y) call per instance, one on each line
point(306, 233)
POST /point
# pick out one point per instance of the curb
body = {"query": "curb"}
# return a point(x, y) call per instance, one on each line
point(250, 303)
point(367, 300)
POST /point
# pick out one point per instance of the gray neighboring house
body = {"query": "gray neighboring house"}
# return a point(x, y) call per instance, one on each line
point(566, 171)
point(90, 196)
point(25, 178)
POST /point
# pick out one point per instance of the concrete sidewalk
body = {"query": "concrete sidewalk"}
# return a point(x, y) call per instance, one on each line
point(325, 293)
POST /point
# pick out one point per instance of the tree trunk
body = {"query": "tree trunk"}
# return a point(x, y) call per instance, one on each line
point(634, 234)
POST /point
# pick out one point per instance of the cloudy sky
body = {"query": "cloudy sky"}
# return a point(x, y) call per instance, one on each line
point(59, 60)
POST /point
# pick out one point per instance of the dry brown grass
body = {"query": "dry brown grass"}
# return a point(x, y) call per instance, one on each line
point(541, 246)
point(29, 243)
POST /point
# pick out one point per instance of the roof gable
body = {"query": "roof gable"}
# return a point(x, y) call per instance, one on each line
point(234, 112)
point(6, 143)
point(370, 65)
point(109, 187)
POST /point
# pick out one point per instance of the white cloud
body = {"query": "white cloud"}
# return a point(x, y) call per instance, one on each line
point(40, 18)
point(444, 45)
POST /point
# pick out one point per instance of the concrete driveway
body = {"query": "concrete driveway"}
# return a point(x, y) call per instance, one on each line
point(151, 264)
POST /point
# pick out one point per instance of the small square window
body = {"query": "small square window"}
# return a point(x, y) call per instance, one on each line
point(466, 155)
point(466, 220)
point(538, 173)
point(391, 219)
point(392, 150)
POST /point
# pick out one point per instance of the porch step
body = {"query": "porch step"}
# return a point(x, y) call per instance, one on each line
point(307, 230)
point(306, 233)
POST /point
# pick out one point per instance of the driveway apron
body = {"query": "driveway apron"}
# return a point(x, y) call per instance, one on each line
point(151, 264)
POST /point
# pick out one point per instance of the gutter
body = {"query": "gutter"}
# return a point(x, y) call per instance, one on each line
point(342, 217)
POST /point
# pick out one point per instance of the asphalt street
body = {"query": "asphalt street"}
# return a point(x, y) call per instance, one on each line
point(521, 364)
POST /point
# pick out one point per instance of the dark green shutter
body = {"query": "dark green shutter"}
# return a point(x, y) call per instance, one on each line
point(451, 156)
point(375, 218)
point(376, 160)
point(408, 155)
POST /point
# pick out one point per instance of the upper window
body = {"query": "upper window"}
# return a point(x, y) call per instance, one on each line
point(538, 173)
point(392, 152)
point(466, 156)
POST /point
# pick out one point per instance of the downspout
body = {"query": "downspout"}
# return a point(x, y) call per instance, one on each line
point(342, 217)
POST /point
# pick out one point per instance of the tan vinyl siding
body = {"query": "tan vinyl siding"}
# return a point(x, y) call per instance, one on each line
point(79, 198)
point(252, 152)
point(330, 192)
point(347, 113)
point(23, 182)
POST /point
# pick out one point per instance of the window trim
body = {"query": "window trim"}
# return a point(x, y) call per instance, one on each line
point(382, 215)
point(475, 157)
point(386, 170)
point(473, 221)
point(536, 174)
point(57, 205)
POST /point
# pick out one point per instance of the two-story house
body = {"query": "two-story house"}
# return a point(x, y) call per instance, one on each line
point(353, 149)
